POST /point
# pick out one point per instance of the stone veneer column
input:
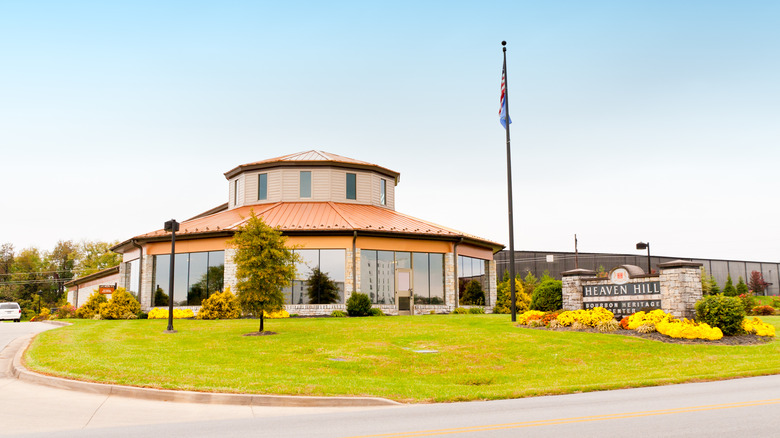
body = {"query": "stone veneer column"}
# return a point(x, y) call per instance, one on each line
point(122, 282)
point(230, 270)
point(450, 290)
point(348, 275)
point(147, 282)
point(572, 287)
point(492, 285)
point(680, 287)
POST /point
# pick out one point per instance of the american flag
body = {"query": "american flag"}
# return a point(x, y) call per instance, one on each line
point(502, 113)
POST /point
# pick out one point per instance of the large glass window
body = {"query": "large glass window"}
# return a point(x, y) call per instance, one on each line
point(351, 186)
point(197, 275)
point(383, 192)
point(377, 275)
point(305, 184)
point(471, 269)
point(132, 275)
point(319, 278)
point(262, 187)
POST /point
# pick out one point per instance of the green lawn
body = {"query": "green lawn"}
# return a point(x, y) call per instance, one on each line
point(479, 357)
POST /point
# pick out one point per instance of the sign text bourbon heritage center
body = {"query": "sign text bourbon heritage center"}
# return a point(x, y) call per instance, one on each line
point(618, 297)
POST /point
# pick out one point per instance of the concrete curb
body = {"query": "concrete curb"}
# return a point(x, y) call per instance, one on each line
point(17, 370)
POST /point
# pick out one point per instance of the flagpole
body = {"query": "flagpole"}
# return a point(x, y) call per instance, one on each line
point(509, 191)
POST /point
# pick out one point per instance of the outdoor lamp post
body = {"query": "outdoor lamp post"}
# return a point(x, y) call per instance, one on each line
point(173, 227)
point(643, 245)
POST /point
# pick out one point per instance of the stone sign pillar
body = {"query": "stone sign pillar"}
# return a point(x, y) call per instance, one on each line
point(572, 287)
point(680, 287)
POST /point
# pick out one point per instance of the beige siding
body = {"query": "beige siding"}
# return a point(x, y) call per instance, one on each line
point(320, 184)
point(328, 184)
point(274, 185)
point(250, 188)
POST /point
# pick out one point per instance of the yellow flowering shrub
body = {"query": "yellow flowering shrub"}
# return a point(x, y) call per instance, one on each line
point(643, 318)
point(590, 317)
point(523, 317)
point(276, 315)
point(757, 327)
point(221, 305)
point(688, 329)
point(162, 313)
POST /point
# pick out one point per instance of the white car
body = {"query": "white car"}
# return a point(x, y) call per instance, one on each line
point(10, 311)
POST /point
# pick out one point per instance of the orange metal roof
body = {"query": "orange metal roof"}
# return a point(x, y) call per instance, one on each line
point(311, 158)
point(318, 216)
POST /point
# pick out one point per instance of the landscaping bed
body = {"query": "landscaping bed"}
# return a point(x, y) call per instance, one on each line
point(745, 339)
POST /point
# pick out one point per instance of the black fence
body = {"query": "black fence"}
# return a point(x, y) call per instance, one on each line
point(538, 262)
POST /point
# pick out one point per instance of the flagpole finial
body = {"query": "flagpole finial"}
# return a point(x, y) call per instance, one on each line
point(503, 43)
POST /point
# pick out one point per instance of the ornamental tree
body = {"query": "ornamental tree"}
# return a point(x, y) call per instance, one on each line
point(757, 283)
point(264, 265)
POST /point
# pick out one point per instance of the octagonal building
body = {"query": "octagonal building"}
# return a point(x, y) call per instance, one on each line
point(339, 214)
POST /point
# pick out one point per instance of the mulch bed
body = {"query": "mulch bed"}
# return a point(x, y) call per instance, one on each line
point(655, 336)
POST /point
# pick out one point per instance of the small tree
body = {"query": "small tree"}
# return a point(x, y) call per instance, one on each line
point(121, 306)
point(742, 288)
point(714, 289)
point(264, 265)
point(321, 289)
point(705, 283)
point(728, 289)
point(548, 296)
point(757, 283)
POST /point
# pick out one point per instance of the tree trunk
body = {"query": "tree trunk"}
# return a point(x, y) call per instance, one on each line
point(261, 321)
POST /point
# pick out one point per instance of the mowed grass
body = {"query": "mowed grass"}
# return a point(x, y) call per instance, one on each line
point(478, 357)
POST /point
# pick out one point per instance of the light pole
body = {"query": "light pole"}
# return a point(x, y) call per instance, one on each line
point(173, 227)
point(643, 245)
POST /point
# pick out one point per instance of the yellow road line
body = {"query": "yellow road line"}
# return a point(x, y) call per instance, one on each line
point(553, 422)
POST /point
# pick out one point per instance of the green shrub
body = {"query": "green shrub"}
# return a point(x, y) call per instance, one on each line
point(121, 306)
point(338, 314)
point(221, 305)
point(725, 313)
point(376, 312)
point(358, 304)
point(460, 311)
point(477, 311)
point(92, 307)
point(473, 294)
point(522, 295)
point(548, 296)
point(143, 315)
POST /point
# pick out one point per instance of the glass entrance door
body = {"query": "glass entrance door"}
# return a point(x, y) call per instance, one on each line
point(403, 291)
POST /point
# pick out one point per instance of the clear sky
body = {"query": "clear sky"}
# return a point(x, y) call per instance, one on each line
point(633, 120)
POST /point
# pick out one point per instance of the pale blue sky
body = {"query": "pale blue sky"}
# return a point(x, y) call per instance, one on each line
point(640, 120)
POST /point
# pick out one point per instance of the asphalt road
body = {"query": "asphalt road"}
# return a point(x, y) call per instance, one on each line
point(739, 407)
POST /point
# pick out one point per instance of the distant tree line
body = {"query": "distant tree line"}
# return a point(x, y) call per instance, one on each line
point(34, 277)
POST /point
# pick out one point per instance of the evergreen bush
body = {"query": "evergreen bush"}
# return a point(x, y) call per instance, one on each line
point(121, 306)
point(376, 312)
point(723, 312)
point(358, 304)
point(729, 290)
point(92, 307)
point(548, 296)
point(338, 314)
point(221, 305)
point(742, 288)
point(460, 311)
point(477, 311)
